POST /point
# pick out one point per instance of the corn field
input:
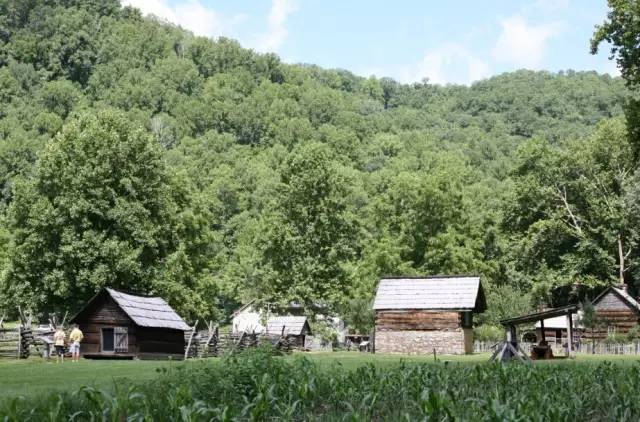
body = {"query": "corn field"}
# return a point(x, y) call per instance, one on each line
point(254, 385)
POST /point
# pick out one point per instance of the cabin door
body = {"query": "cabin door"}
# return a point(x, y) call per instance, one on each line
point(108, 343)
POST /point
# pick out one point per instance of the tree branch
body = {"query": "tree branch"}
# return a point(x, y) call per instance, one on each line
point(562, 194)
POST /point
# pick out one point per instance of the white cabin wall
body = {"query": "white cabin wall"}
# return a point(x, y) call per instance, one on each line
point(248, 320)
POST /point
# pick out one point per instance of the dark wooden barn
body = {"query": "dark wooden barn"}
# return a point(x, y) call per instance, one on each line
point(420, 315)
point(121, 325)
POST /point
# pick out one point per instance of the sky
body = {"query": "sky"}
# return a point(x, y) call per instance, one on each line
point(458, 41)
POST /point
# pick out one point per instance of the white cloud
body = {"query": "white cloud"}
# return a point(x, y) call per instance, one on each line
point(523, 44)
point(276, 32)
point(191, 15)
point(203, 20)
point(449, 63)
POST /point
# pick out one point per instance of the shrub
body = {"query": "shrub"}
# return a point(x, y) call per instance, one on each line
point(616, 338)
point(488, 333)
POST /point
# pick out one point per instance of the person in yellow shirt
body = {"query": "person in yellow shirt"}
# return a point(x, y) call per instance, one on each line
point(58, 341)
point(76, 337)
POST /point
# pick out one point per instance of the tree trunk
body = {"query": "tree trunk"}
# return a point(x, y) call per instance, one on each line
point(621, 259)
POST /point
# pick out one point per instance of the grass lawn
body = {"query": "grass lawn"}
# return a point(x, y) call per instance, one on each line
point(32, 376)
point(26, 377)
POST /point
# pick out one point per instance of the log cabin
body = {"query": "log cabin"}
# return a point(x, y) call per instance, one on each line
point(119, 325)
point(426, 314)
point(617, 311)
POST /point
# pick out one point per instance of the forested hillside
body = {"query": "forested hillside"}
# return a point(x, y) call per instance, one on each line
point(136, 155)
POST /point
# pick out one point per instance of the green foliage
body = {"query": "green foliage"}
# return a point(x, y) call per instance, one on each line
point(258, 386)
point(358, 315)
point(224, 175)
point(633, 335)
point(616, 338)
point(97, 212)
point(620, 29)
point(570, 211)
point(487, 332)
point(504, 302)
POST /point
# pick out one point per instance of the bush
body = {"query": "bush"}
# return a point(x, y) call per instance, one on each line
point(615, 338)
point(488, 333)
point(634, 334)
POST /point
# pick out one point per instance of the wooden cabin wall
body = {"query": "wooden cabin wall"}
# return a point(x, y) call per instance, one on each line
point(105, 313)
point(421, 332)
point(417, 320)
point(617, 312)
point(153, 341)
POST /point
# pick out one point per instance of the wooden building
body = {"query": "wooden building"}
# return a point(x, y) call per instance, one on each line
point(249, 318)
point(420, 315)
point(555, 330)
point(617, 311)
point(294, 328)
point(121, 325)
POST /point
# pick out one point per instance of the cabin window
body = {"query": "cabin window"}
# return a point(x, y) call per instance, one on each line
point(115, 339)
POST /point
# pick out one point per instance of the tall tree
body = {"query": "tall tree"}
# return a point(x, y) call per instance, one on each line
point(570, 212)
point(621, 29)
point(310, 234)
point(96, 213)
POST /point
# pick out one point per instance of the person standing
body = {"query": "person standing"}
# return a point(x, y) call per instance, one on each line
point(58, 341)
point(76, 337)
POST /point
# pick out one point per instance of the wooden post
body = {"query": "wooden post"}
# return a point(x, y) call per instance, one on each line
point(64, 319)
point(569, 335)
point(19, 342)
point(543, 338)
point(193, 332)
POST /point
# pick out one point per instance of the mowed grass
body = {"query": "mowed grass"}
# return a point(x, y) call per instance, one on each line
point(34, 376)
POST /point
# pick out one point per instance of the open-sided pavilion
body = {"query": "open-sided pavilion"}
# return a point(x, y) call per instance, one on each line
point(510, 349)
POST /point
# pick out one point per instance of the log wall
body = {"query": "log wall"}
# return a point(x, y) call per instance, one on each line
point(617, 313)
point(420, 332)
point(105, 313)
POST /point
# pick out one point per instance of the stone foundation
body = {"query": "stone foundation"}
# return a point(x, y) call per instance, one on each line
point(458, 341)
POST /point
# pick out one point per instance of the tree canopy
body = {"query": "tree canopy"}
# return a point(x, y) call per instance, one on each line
point(137, 155)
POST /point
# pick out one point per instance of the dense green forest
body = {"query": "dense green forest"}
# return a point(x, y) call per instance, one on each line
point(136, 155)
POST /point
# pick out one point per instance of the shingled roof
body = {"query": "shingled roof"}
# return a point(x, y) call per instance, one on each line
point(144, 311)
point(435, 292)
point(293, 325)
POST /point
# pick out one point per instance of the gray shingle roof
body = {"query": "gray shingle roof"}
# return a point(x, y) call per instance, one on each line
point(294, 325)
point(459, 292)
point(151, 312)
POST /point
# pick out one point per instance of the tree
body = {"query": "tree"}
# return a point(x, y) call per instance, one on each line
point(310, 234)
point(621, 29)
point(96, 213)
point(590, 320)
point(570, 210)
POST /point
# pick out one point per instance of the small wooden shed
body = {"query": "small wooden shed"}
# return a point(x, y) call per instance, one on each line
point(295, 328)
point(122, 325)
point(422, 314)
